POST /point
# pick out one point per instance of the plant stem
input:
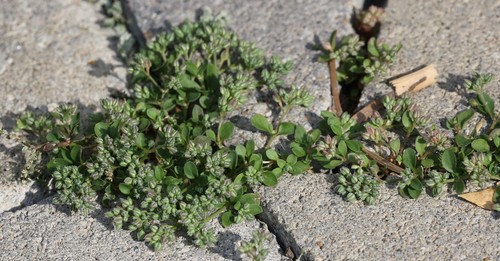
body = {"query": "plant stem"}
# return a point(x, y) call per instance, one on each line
point(216, 213)
point(221, 120)
point(383, 162)
point(334, 89)
point(285, 111)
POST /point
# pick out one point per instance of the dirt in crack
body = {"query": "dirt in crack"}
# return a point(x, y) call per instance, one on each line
point(366, 23)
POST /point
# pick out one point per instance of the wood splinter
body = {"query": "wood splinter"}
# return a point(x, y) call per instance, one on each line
point(415, 81)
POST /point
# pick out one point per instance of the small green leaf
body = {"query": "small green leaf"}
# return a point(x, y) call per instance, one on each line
point(141, 141)
point(461, 140)
point(197, 113)
point(227, 219)
point(488, 104)
point(314, 135)
point(172, 181)
point(333, 40)
point(332, 164)
point(342, 148)
point(260, 122)
point(278, 172)
point(272, 154)
point(291, 159)
point(420, 145)
point(250, 147)
point(269, 179)
point(187, 83)
point(98, 184)
point(395, 145)
point(414, 193)
point(298, 150)
point(281, 163)
point(427, 163)
point(226, 130)
point(204, 102)
point(299, 168)
point(416, 184)
point(372, 47)
point(159, 173)
point(101, 129)
point(190, 170)
point(211, 135)
point(52, 137)
point(354, 145)
point(212, 77)
point(241, 151)
point(254, 209)
point(496, 195)
point(125, 188)
point(286, 128)
point(410, 158)
point(464, 116)
point(191, 68)
point(249, 198)
point(76, 153)
point(56, 162)
point(459, 185)
point(192, 96)
point(114, 129)
point(300, 134)
point(407, 121)
point(153, 113)
point(449, 161)
point(480, 145)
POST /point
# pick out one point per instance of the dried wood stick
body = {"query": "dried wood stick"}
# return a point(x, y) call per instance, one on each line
point(415, 81)
point(367, 111)
point(334, 89)
point(382, 161)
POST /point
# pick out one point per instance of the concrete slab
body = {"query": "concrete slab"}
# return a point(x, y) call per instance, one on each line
point(54, 52)
point(46, 232)
point(460, 37)
point(51, 52)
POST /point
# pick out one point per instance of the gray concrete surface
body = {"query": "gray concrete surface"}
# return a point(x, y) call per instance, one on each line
point(45, 232)
point(44, 60)
point(53, 52)
point(459, 37)
point(46, 52)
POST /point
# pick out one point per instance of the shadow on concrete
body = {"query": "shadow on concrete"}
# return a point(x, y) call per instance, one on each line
point(226, 246)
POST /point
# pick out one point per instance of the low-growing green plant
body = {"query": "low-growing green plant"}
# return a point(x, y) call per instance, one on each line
point(356, 63)
point(420, 157)
point(160, 159)
point(115, 19)
point(255, 249)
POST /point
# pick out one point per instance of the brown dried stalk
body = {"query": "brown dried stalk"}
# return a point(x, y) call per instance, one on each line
point(334, 89)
